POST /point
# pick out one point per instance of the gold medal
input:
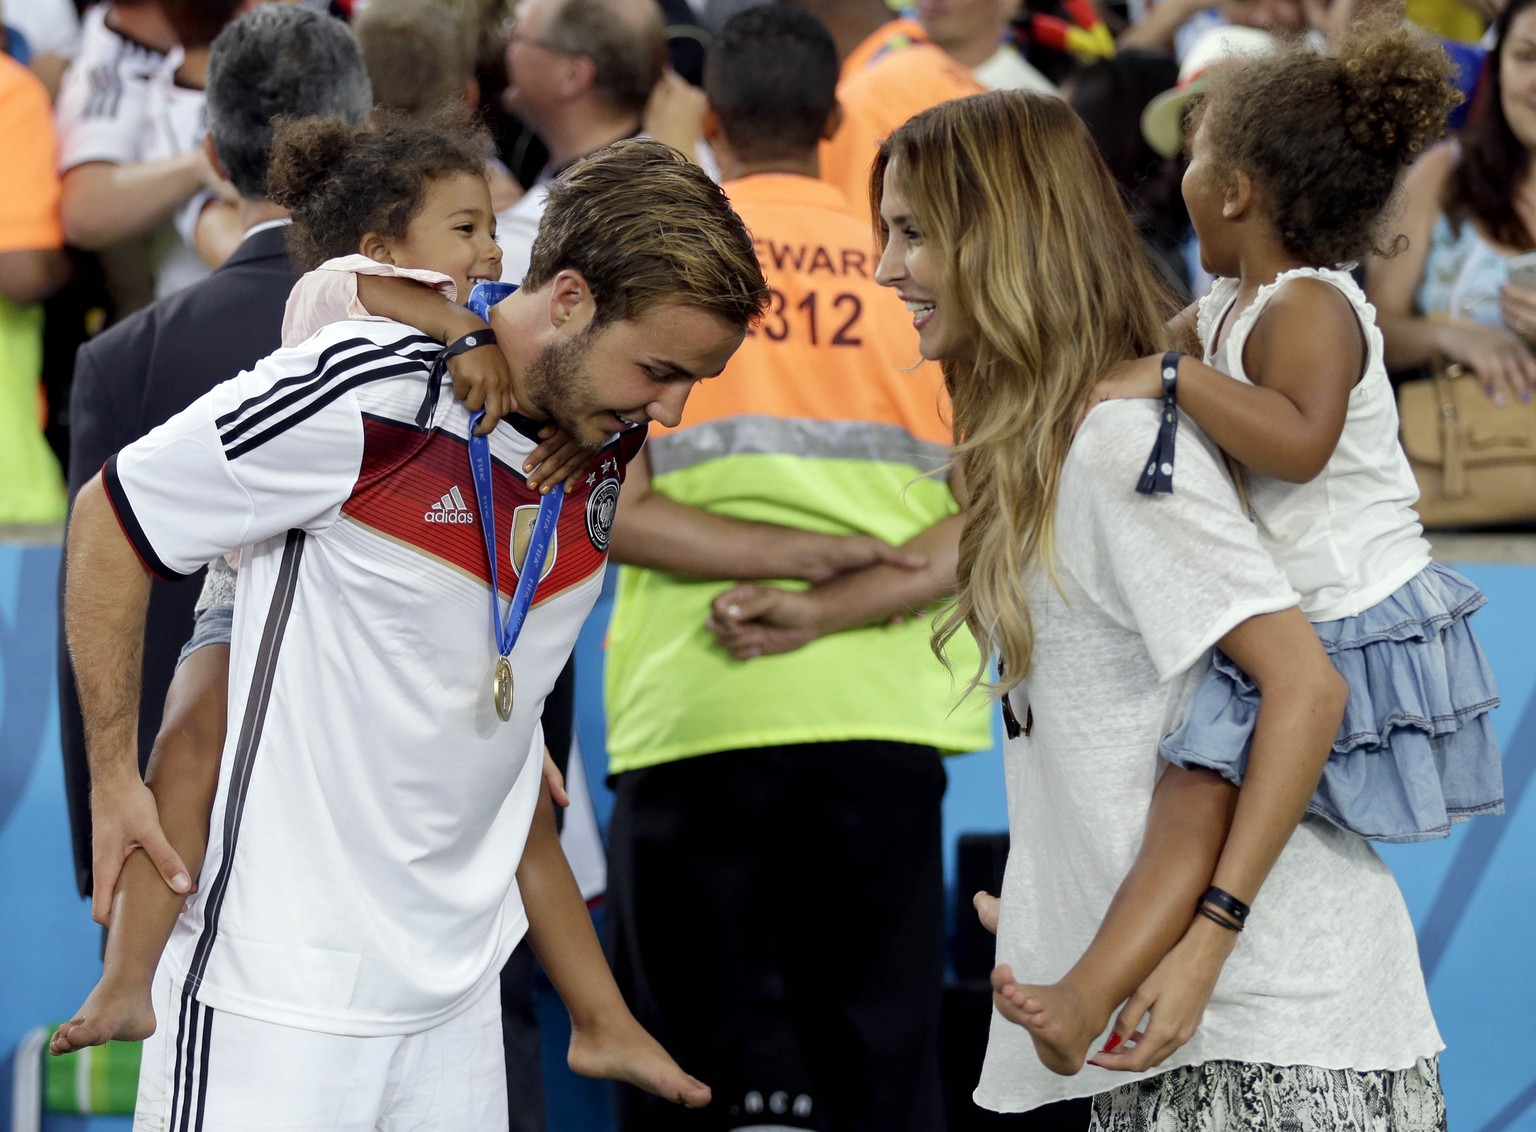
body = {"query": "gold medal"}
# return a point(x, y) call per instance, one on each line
point(501, 689)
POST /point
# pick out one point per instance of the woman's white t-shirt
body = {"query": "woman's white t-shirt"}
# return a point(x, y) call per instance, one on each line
point(1327, 972)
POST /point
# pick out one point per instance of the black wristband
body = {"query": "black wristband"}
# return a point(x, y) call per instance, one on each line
point(1218, 919)
point(471, 341)
point(1231, 905)
point(1158, 477)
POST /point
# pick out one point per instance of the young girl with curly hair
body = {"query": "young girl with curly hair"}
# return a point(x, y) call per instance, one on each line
point(1293, 162)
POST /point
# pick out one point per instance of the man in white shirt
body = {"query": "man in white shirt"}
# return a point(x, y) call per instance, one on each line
point(339, 960)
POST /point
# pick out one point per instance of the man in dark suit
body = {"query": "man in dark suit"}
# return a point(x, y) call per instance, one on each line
point(276, 60)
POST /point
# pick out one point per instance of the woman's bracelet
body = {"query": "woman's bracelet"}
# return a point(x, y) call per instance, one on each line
point(1222, 899)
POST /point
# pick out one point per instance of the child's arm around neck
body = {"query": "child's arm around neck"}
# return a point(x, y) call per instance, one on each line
point(1304, 354)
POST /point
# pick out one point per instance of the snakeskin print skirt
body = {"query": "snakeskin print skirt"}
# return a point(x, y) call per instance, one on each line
point(1234, 1096)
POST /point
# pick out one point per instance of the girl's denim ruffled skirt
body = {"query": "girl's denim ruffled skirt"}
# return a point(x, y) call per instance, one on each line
point(1416, 751)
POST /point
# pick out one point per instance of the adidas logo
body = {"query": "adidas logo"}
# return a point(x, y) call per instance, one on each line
point(451, 508)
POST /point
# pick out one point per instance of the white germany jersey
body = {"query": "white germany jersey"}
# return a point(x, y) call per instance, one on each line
point(103, 97)
point(371, 808)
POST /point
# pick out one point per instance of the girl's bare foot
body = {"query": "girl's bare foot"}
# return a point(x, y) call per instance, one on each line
point(1061, 1021)
point(628, 1053)
point(110, 1013)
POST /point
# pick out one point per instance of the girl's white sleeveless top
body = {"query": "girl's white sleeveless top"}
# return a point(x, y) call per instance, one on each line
point(1350, 536)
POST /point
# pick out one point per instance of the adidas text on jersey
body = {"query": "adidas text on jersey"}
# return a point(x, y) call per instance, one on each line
point(451, 508)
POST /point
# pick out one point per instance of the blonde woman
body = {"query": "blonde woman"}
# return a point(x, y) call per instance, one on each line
point(1005, 236)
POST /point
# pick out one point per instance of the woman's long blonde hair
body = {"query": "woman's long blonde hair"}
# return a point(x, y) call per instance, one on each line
point(1046, 269)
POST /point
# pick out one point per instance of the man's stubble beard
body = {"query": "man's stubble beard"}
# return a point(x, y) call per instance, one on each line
point(557, 384)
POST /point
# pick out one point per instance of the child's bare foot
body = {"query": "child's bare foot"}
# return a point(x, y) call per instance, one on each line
point(986, 906)
point(110, 1013)
point(1060, 1020)
point(628, 1053)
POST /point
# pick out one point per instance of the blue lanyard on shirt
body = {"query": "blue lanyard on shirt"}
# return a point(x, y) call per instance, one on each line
point(507, 631)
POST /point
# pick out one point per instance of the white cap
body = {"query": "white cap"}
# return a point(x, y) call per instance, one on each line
point(1162, 122)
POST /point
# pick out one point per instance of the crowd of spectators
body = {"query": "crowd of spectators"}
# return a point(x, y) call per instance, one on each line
point(113, 199)
point(124, 207)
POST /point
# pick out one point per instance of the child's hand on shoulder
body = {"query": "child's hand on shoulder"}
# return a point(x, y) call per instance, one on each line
point(557, 459)
point(481, 379)
point(1138, 379)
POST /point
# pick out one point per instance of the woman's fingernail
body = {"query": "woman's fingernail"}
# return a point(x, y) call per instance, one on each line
point(527, 467)
point(1112, 1044)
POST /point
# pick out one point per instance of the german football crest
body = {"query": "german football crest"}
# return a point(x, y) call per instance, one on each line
point(523, 520)
point(601, 505)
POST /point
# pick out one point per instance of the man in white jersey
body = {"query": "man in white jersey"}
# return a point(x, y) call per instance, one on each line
point(337, 966)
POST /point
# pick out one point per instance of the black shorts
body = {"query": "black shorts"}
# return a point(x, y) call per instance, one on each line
point(775, 918)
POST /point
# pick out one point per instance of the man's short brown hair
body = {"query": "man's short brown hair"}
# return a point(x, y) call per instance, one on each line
point(644, 225)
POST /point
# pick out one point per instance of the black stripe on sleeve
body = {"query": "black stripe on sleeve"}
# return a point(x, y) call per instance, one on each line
point(133, 530)
point(332, 392)
point(289, 390)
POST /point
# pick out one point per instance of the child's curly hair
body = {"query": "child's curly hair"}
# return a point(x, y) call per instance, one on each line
point(341, 184)
point(1324, 136)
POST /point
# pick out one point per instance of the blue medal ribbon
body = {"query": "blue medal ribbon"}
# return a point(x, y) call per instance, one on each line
point(507, 631)
point(481, 300)
point(484, 296)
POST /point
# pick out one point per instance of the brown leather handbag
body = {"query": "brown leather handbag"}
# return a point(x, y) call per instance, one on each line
point(1475, 461)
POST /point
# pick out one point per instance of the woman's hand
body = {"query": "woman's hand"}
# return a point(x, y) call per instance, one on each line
point(1517, 305)
point(1175, 994)
point(1502, 362)
point(557, 459)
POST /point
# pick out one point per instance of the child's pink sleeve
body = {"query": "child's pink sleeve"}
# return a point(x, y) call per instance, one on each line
point(329, 293)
